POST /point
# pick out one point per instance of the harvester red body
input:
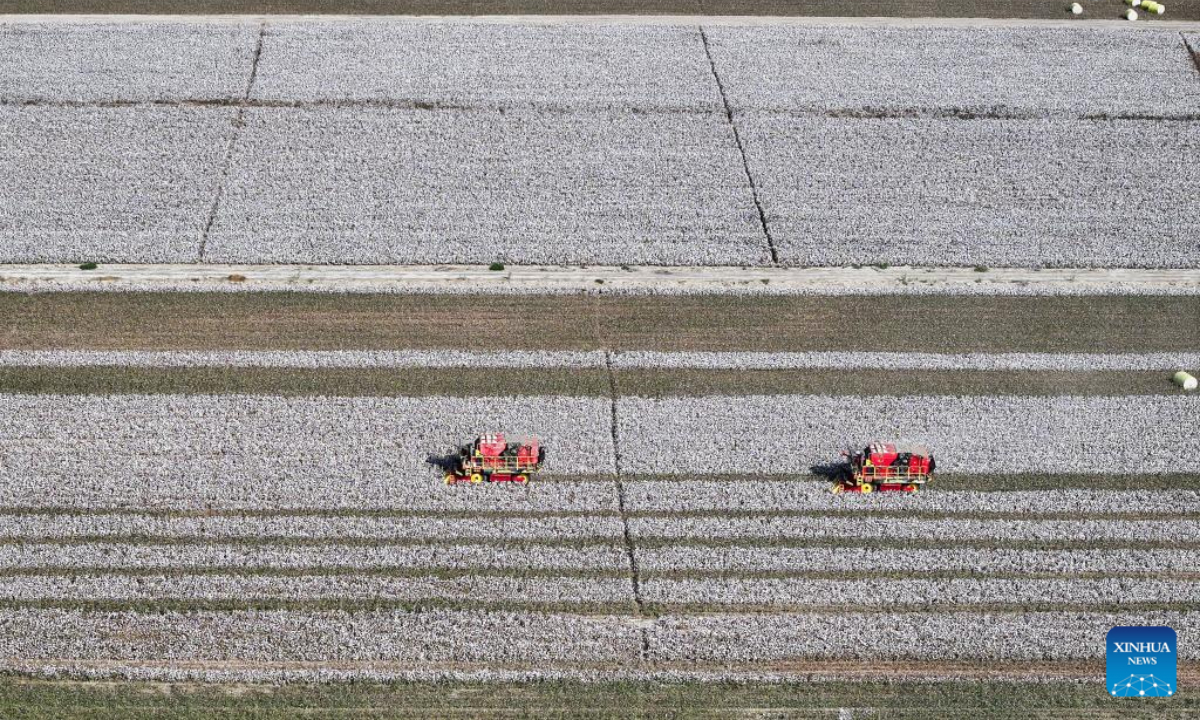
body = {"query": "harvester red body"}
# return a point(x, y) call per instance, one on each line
point(491, 458)
point(887, 467)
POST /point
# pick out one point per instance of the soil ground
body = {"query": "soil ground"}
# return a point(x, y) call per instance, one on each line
point(317, 321)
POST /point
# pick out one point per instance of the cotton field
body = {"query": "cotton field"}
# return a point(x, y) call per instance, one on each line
point(252, 487)
point(601, 143)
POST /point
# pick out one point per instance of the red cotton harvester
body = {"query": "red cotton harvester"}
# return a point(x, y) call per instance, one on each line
point(493, 459)
point(885, 467)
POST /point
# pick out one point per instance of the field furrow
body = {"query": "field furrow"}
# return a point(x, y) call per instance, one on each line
point(806, 495)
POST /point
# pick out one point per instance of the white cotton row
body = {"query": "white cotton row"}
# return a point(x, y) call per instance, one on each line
point(508, 639)
point(991, 434)
point(955, 71)
point(992, 193)
point(419, 638)
point(318, 588)
point(885, 593)
point(592, 66)
point(1066, 635)
point(483, 556)
point(560, 66)
point(908, 559)
point(311, 527)
point(97, 184)
point(125, 61)
point(194, 452)
point(412, 186)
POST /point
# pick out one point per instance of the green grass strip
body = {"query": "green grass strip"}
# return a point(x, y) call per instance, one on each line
point(877, 698)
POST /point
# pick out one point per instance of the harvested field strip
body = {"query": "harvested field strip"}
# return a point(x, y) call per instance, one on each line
point(407, 382)
point(890, 558)
point(418, 382)
point(846, 575)
point(902, 696)
point(628, 360)
point(774, 497)
point(692, 382)
point(168, 557)
point(314, 321)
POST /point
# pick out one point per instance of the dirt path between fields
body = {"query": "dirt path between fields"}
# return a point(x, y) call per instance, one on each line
point(635, 279)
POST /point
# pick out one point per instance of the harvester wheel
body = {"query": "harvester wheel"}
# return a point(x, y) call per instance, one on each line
point(866, 488)
point(522, 479)
point(476, 478)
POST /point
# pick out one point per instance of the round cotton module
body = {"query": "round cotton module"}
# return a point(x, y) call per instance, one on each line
point(1131, 14)
point(1076, 9)
point(1185, 380)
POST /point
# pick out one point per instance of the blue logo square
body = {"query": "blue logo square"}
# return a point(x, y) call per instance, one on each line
point(1141, 661)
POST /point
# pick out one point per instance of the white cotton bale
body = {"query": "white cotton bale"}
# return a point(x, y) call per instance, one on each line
point(1185, 380)
point(1076, 9)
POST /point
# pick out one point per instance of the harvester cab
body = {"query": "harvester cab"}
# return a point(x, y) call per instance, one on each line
point(493, 459)
point(886, 467)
